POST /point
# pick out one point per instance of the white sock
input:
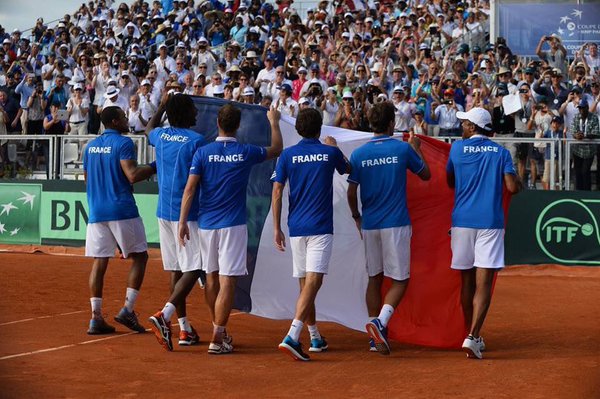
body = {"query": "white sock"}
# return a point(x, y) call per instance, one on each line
point(184, 324)
point(96, 307)
point(295, 330)
point(314, 332)
point(168, 311)
point(385, 314)
point(130, 298)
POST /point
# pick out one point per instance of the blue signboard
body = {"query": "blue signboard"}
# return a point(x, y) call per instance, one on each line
point(524, 24)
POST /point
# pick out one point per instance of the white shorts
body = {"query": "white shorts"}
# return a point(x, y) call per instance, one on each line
point(174, 256)
point(224, 250)
point(477, 248)
point(102, 238)
point(311, 254)
point(388, 251)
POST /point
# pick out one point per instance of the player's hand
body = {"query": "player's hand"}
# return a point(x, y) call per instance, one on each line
point(331, 141)
point(279, 240)
point(414, 141)
point(273, 115)
point(184, 234)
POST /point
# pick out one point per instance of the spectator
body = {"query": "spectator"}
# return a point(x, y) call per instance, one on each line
point(78, 108)
point(445, 115)
point(585, 126)
point(556, 55)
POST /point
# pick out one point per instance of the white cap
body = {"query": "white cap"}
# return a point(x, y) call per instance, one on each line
point(162, 45)
point(348, 94)
point(303, 100)
point(249, 91)
point(220, 89)
point(111, 92)
point(478, 116)
point(346, 34)
point(368, 19)
point(202, 40)
point(181, 44)
point(124, 73)
point(145, 82)
point(302, 69)
point(77, 86)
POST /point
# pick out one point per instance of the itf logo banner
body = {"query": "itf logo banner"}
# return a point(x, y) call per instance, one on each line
point(554, 227)
point(524, 24)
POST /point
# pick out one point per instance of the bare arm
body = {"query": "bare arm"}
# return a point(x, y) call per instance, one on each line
point(513, 183)
point(186, 205)
point(415, 142)
point(352, 196)
point(276, 146)
point(135, 172)
point(276, 209)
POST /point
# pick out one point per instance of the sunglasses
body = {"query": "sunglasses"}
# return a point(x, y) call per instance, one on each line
point(196, 86)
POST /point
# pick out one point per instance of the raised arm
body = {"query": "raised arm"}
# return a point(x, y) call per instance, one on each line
point(276, 146)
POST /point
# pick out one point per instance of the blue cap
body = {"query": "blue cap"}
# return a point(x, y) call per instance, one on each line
point(583, 103)
point(271, 57)
point(314, 67)
point(286, 87)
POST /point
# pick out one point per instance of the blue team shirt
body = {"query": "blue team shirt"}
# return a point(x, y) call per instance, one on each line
point(224, 167)
point(109, 193)
point(309, 167)
point(175, 149)
point(379, 167)
point(479, 166)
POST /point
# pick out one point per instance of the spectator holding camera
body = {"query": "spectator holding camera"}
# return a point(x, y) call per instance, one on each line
point(445, 115)
point(347, 116)
point(556, 55)
point(550, 86)
point(540, 122)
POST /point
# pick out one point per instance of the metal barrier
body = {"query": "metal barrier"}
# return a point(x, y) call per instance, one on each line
point(568, 144)
point(14, 146)
point(73, 147)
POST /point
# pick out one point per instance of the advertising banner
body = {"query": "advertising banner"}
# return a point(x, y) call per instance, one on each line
point(524, 24)
point(554, 227)
point(56, 213)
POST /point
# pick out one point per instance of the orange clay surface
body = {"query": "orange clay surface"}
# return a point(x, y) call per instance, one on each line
point(542, 334)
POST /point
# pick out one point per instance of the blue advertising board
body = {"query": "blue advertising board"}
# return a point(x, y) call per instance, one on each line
point(524, 24)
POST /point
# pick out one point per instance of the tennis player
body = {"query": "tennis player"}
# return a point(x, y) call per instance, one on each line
point(110, 168)
point(309, 167)
point(379, 167)
point(477, 168)
point(175, 147)
point(222, 170)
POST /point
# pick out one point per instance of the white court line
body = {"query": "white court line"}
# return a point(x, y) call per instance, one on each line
point(41, 317)
point(66, 346)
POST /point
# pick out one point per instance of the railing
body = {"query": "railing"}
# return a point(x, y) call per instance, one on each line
point(68, 150)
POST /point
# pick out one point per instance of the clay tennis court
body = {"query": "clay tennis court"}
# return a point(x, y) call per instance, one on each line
point(542, 334)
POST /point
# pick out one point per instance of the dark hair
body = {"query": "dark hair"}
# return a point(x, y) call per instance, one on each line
point(181, 111)
point(380, 116)
point(308, 123)
point(109, 114)
point(229, 118)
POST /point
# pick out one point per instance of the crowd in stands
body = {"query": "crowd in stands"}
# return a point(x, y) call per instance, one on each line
point(430, 58)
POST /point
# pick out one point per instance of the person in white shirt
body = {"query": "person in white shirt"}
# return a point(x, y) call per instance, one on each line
point(203, 56)
point(100, 83)
point(592, 59)
point(284, 104)
point(265, 76)
point(113, 99)
point(78, 108)
point(164, 63)
point(330, 107)
point(216, 81)
point(137, 116)
point(403, 110)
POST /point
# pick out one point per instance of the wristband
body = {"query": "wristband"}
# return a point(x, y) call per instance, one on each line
point(153, 166)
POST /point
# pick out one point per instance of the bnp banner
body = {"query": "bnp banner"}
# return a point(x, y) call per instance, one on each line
point(56, 213)
point(20, 206)
point(575, 24)
point(554, 227)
